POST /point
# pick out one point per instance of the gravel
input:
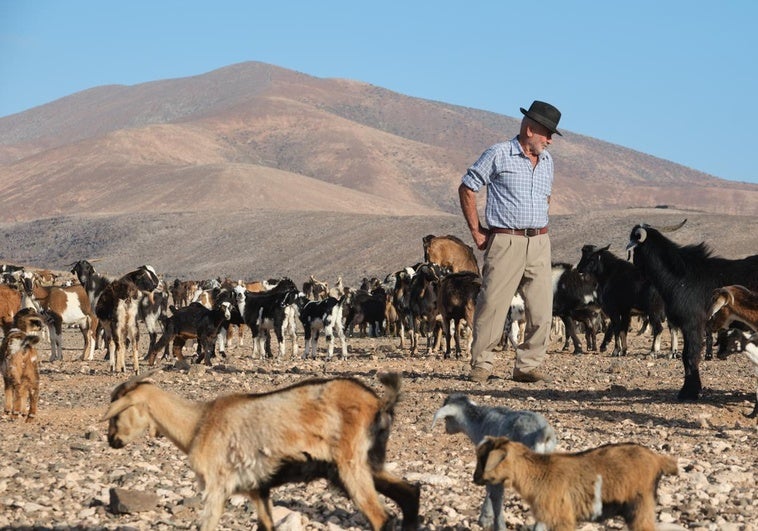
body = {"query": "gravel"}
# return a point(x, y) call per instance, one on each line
point(59, 472)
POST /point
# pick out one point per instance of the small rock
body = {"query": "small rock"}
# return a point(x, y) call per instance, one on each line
point(123, 501)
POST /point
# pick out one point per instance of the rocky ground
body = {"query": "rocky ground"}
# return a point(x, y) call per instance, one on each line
point(58, 472)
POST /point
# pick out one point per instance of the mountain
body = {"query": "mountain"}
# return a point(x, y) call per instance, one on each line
point(277, 161)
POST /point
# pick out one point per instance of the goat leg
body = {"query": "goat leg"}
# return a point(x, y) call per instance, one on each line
point(263, 507)
point(405, 494)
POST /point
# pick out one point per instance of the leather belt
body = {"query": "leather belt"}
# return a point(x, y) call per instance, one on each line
point(519, 232)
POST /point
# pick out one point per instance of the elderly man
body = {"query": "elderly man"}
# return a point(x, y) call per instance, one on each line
point(518, 175)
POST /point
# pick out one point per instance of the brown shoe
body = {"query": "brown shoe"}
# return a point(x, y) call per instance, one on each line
point(530, 377)
point(479, 374)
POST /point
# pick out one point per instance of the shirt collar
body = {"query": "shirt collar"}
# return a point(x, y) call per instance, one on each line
point(517, 149)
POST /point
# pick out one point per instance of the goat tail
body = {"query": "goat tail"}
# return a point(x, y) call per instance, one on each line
point(391, 382)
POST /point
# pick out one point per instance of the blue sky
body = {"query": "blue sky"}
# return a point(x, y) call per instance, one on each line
point(675, 79)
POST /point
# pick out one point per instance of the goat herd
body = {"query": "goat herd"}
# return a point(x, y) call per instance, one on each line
point(338, 428)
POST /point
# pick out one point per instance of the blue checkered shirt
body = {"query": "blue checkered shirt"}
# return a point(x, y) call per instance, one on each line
point(517, 194)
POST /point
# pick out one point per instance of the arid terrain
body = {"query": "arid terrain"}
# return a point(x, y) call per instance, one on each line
point(57, 472)
point(254, 172)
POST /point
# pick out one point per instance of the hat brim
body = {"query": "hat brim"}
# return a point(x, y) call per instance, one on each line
point(540, 120)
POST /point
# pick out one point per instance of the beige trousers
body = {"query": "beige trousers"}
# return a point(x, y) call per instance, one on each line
point(507, 260)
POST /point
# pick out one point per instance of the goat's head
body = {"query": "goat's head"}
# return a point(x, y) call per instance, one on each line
point(82, 269)
point(144, 277)
point(453, 410)
point(128, 415)
point(591, 261)
point(640, 233)
point(239, 295)
point(16, 341)
point(226, 308)
point(492, 461)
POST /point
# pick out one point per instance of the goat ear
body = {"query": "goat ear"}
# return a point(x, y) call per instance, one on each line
point(117, 407)
point(494, 458)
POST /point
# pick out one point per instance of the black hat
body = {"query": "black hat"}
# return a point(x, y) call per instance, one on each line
point(545, 114)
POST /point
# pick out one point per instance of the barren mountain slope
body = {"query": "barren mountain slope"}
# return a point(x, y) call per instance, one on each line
point(255, 244)
point(115, 149)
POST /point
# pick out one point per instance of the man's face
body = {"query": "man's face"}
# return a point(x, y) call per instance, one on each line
point(538, 139)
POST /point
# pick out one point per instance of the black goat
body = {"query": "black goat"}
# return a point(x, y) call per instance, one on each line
point(622, 291)
point(575, 299)
point(265, 311)
point(422, 304)
point(194, 321)
point(686, 276)
point(456, 298)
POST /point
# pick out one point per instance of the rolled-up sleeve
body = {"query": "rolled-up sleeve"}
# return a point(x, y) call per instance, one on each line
point(479, 173)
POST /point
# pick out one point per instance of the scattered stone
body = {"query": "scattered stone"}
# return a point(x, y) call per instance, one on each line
point(123, 501)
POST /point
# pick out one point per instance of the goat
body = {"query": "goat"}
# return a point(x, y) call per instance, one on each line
point(10, 303)
point(365, 308)
point(574, 298)
point(456, 300)
point(68, 305)
point(422, 304)
point(462, 415)
point(267, 310)
point(737, 304)
point(250, 443)
point(399, 285)
point(194, 321)
point(686, 276)
point(323, 315)
point(596, 484)
point(733, 303)
point(623, 289)
point(117, 308)
point(19, 364)
point(449, 252)
point(515, 322)
point(315, 290)
point(749, 345)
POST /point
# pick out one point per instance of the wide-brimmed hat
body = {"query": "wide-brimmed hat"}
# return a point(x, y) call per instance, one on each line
point(545, 114)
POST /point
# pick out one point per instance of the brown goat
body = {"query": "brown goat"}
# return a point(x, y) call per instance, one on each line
point(10, 303)
point(66, 306)
point(250, 443)
point(19, 364)
point(450, 252)
point(733, 303)
point(611, 480)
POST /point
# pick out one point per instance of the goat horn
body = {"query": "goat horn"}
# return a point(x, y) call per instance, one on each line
point(94, 260)
point(672, 228)
point(444, 411)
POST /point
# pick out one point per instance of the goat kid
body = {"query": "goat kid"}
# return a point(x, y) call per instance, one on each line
point(326, 316)
point(462, 415)
point(248, 444)
point(596, 484)
point(19, 364)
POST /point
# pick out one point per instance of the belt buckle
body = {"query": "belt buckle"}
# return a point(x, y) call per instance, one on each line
point(531, 232)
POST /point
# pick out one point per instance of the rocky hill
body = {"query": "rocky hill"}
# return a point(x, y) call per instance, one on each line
point(255, 170)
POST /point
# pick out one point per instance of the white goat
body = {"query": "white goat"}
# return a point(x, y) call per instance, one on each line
point(464, 416)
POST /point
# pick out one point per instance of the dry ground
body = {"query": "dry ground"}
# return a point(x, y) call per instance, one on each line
point(56, 472)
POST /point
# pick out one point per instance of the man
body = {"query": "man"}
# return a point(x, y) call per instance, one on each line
point(518, 175)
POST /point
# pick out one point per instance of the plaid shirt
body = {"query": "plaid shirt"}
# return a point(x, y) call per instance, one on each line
point(517, 194)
